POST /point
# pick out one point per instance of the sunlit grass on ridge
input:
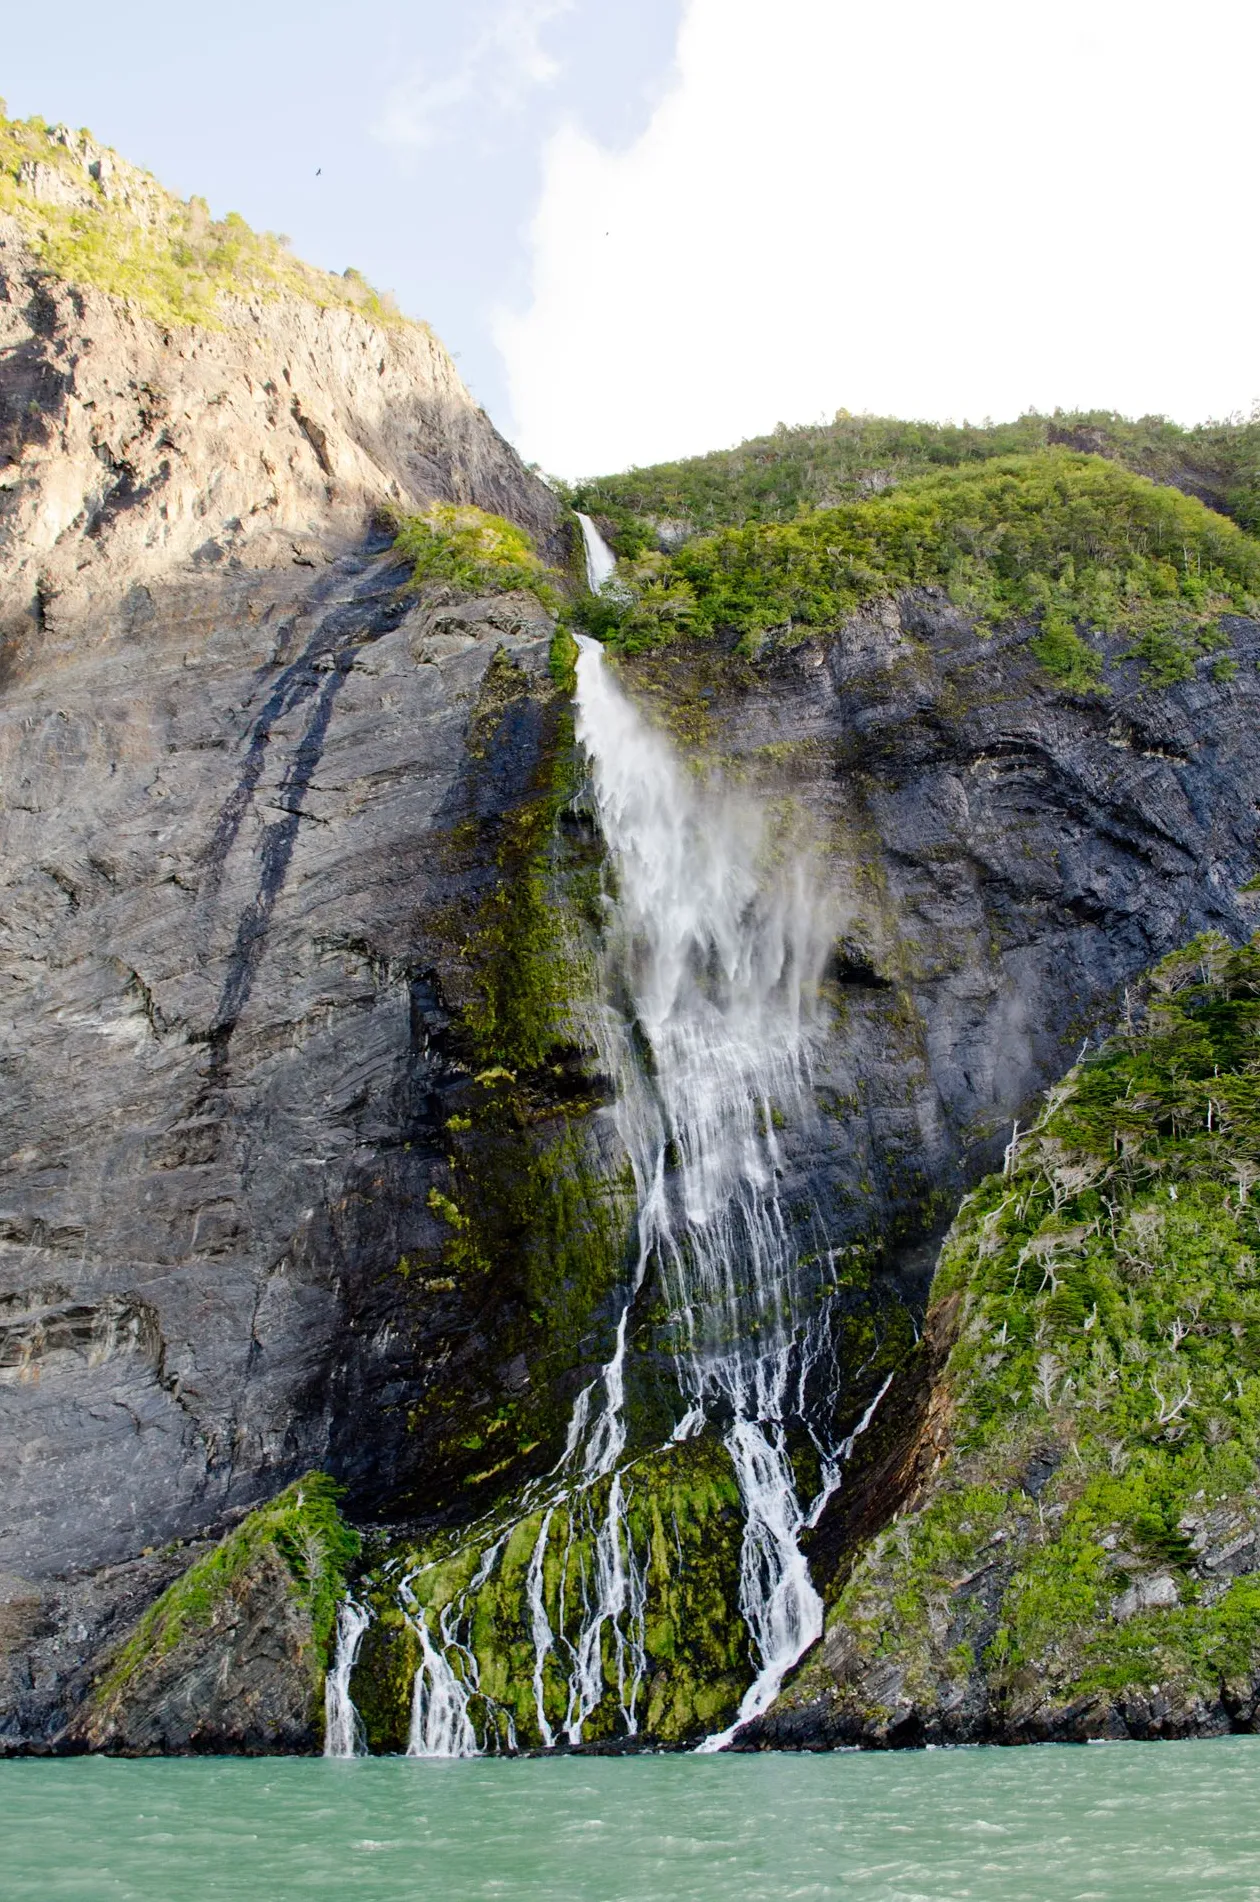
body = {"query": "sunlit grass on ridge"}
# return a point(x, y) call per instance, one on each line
point(98, 222)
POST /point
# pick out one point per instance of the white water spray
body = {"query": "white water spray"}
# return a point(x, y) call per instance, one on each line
point(440, 1722)
point(713, 949)
point(343, 1728)
point(600, 560)
point(718, 939)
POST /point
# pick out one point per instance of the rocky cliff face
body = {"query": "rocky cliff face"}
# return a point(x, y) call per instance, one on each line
point(231, 750)
point(1073, 1547)
point(1006, 857)
point(131, 451)
point(306, 1162)
point(1005, 861)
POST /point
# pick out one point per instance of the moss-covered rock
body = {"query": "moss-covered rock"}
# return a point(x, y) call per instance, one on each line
point(671, 1668)
point(232, 1655)
point(1086, 1561)
point(529, 1190)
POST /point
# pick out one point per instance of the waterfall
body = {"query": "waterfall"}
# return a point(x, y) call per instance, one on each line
point(441, 1725)
point(600, 560)
point(343, 1729)
point(715, 937)
point(718, 939)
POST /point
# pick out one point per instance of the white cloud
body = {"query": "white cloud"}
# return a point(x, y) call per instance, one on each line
point(503, 63)
point(926, 207)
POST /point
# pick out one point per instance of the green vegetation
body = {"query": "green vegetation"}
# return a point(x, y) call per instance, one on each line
point(463, 547)
point(686, 1529)
point(96, 221)
point(1104, 1382)
point(302, 1528)
point(1068, 540)
point(523, 942)
point(532, 1215)
point(773, 478)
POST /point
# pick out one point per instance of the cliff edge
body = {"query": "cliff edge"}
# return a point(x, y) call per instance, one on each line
point(177, 394)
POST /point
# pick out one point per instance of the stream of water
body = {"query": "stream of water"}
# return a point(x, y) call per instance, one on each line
point(715, 945)
point(715, 936)
point(1114, 1823)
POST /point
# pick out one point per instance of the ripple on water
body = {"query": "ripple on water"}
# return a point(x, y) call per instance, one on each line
point(1134, 1823)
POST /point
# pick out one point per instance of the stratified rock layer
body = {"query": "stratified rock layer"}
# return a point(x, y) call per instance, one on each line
point(287, 1096)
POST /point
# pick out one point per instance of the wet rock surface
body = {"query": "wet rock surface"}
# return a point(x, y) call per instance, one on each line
point(255, 799)
point(1005, 859)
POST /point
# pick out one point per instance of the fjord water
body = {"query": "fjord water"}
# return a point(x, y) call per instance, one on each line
point(1113, 1823)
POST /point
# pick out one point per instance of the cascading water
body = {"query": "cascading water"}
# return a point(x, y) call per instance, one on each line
point(719, 941)
point(601, 563)
point(343, 1730)
point(712, 953)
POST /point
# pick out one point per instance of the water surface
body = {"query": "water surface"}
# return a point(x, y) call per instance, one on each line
point(1118, 1821)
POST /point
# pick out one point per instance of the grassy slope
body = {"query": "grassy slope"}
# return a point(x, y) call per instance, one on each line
point(96, 221)
point(771, 478)
point(1104, 1387)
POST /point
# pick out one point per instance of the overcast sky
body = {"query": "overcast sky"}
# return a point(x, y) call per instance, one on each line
point(651, 227)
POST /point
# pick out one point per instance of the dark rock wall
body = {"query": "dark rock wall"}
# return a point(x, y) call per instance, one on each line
point(232, 753)
point(1004, 859)
point(259, 809)
point(247, 1684)
point(221, 986)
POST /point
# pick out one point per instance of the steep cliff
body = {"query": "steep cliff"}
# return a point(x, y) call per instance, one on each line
point(136, 445)
point(240, 764)
point(308, 1160)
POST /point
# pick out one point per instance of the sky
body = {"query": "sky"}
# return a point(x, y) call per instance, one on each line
point(647, 228)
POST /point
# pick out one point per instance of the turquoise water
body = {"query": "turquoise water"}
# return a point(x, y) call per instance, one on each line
point(1114, 1821)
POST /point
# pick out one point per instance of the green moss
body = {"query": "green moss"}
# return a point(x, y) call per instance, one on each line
point(562, 659)
point(685, 1531)
point(527, 966)
point(302, 1526)
point(465, 548)
point(384, 1676)
point(529, 1190)
point(133, 239)
point(1108, 1340)
point(511, 949)
point(535, 1215)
